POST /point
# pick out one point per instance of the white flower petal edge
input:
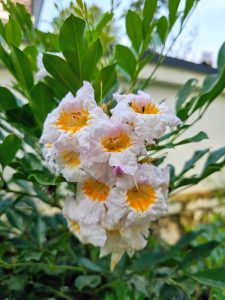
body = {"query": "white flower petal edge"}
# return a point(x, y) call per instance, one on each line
point(93, 234)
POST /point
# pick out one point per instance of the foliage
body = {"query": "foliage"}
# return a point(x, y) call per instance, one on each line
point(39, 258)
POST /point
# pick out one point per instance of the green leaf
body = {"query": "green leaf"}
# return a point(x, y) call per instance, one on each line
point(13, 32)
point(22, 66)
point(62, 72)
point(162, 28)
point(191, 162)
point(214, 157)
point(105, 81)
point(42, 102)
point(126, 59)
point(221, 58)
point(215, 85)
point(103, 22)
point(87, 263)
point(44, 178)
point(58, 89)
point(188, 6)
point(212, 277)
point(31, 52)
point(17, 282)
point(134, 29)
point(14, 218)
point(8, 149)
point(90, 281)
point(92, 58)
point(72, 43)
point(2, 29)
point(7, 99)
point(194, 139)
point(199, 252)
point(149, 10)
point(5, 58)
point(173, 7)
point(185, 240)
point(184, 92)
point(39, 230)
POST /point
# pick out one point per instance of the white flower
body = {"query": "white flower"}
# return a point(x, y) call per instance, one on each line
point(125, 239)
point(116, 144)
point(75, 117)
point(149, 119)
point(86, 233)
point(92, 196)
point(139, 197)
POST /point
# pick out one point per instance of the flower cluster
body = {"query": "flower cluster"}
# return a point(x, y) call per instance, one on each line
point(119, 192)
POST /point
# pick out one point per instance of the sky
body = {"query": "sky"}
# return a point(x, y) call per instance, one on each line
point(202, 37)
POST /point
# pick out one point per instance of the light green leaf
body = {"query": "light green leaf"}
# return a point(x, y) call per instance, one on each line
point(126, 59)
point(212, 277)
point(103, 22)
point(42, 102)
point(13, 32)
point(8, 149)
point(72, 43)
point(90, 281)
point(62, 72)
point(134, 29)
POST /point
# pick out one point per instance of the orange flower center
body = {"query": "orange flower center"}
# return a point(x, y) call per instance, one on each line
point(149, 108)
point(141, 197)
point(73, 121)
point(96, 190)
point(117, 143)
point(70, 158)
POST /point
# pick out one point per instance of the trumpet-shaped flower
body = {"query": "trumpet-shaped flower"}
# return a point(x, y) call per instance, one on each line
point(116, 144)
point(149, 119)
point(86, 233)
point(75, 117)
point(139, 197)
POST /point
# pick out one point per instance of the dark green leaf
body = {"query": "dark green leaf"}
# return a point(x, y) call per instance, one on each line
point(186, 239)
point(22, 66)
point(62, 72)
point(39, 230)
point(92, 58)
point(188, 6)
point(7, 99)
point(105, 82)
point(72, 44)
point(17, 282)
point(90, 281)
point(184, 92)
point(14, 219)
point(148, 13)
point(42, 102)
point(199, 252)
point(194, 139)
point(173, 7)
point(215, 85)
point(162, 28)
point(212, 277)
point(191, 162)
point(126, 59)
point(134, 29)
point(13, 32)
point(44, 178)
point(214, 157)
point(83, 261)
point(8, 149)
